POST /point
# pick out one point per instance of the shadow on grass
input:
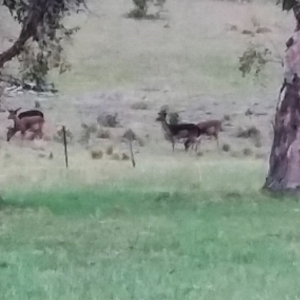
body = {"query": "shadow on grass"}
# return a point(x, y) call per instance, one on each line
point(127, 201)
point(104, 201)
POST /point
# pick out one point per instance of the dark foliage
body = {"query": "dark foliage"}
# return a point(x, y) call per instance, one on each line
point(41, 36)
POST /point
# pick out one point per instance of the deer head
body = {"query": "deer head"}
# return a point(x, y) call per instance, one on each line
point(13, 113)
point(161, 116)
point(10, 133)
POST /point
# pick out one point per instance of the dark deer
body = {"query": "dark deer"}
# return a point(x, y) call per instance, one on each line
point(210, 128)
point(26, 121)
point(174, 132)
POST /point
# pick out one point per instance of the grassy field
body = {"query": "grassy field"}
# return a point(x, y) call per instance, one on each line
point(177, 226)
point(116, 241)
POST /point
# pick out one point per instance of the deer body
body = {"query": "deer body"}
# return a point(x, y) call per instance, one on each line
point(27, 121)
point(30, 113)
point(210, 128)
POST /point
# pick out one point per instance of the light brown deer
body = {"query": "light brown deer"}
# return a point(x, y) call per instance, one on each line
point(210, 128)
point(32, 123)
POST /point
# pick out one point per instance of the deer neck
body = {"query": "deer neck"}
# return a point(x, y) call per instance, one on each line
point(165, 126)
point(17, 122)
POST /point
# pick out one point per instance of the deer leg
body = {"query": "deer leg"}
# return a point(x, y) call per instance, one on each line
point(22, 137)
point(197, 144)
point(194, 145)
point(191, 145)
point(186, 145)
point(39, 133)
point(41, 130)
point(36, 134)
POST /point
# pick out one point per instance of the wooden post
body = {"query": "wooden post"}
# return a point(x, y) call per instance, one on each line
point(65, 146)
point(130, 136)
point(131, 153)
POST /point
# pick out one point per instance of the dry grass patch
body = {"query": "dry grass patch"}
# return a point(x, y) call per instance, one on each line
point(141, 105)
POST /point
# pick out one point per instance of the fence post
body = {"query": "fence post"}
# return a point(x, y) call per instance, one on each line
point(65, 146)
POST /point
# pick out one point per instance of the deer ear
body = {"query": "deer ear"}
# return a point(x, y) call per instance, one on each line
point(17, 109)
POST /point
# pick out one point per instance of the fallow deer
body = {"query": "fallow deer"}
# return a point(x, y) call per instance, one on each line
point(26, 121)
point(210, 128)
point(174, 132)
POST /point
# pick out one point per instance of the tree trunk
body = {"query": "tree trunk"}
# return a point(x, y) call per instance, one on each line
point(284, 163)
point(30, 26)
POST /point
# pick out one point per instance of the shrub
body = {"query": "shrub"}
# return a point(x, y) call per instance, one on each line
point(109, 150)
point(103, 134)
point(247, 152)
point(96, 154)
point(108, 120)
point(125, 156)
point(226, 147)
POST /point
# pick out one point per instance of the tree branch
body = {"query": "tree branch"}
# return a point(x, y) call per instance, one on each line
point(35, 17)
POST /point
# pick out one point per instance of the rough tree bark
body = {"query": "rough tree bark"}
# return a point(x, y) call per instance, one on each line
point(284, 163)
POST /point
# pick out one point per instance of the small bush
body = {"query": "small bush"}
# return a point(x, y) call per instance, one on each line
point(250, 132)
point(103, 134)
point(96, 154)
point(233, 28)
point(136, 13)
point(59, 135)
point(129, 135)
point(109, 150)
point(141, 8)
point(108, 120)
point(263, 30)
point(226, 147)
point(125, 156)
point(227, 117)
point(247, 152)
point(248, 32)
point(90, 128)
point(85, 134)
point(249, 112)
point(258, 144)
point(37, 104)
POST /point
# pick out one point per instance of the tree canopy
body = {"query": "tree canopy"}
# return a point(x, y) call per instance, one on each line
point(42, 24)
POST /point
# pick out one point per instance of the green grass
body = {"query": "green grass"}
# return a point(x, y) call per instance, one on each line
point(119, 242)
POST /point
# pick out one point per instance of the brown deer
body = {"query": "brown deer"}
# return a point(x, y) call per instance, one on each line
point(210, 128)
point(174, 132)
point(26, 121)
